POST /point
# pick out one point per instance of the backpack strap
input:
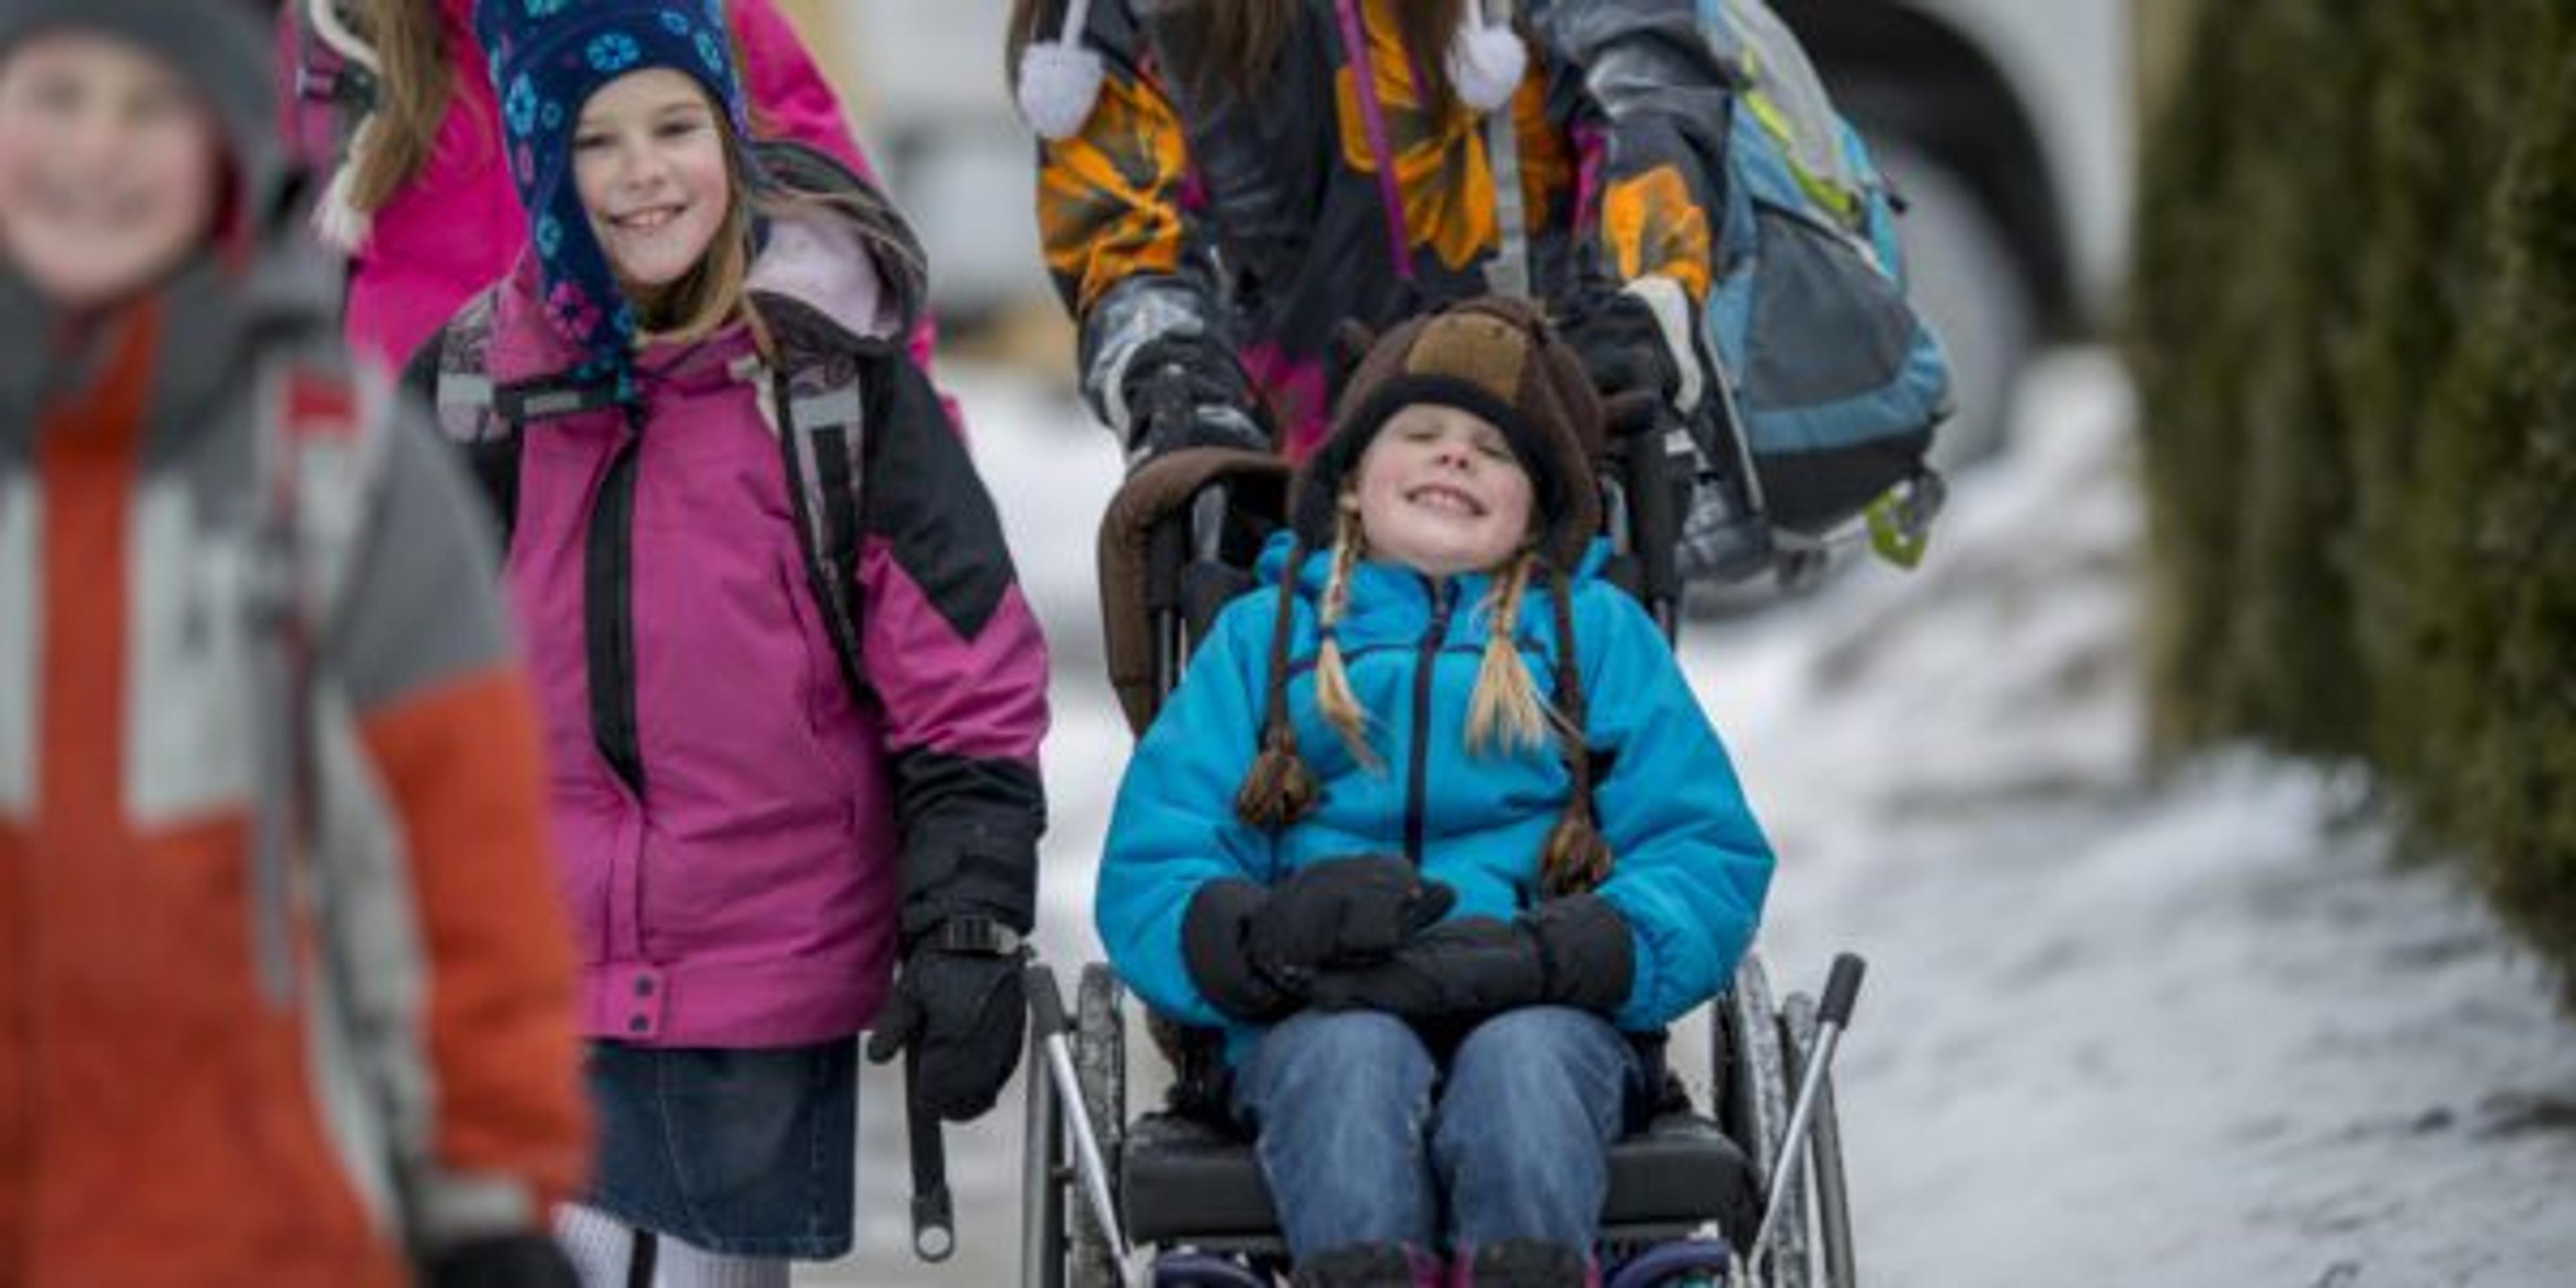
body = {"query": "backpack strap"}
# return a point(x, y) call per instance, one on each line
point(319, 461)
point(487, 421)
point(820, 417)
point(1509, 271)
point(812, 403)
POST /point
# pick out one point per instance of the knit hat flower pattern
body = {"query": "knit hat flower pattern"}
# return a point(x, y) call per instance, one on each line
point(547, 58)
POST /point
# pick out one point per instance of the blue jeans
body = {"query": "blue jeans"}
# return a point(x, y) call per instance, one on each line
point(1364, 1138)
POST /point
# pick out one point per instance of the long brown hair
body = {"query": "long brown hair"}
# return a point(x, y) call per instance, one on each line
point(716, 289)
point(411, 96)
point(1240, 40)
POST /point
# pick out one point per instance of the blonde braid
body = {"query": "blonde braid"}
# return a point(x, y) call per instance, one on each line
point(1505, 712)
point(1576, 857)
point(1333, 693)
point(1278, 789)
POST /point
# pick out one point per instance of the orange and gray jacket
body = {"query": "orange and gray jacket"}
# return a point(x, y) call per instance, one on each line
point(1254, 220)
point(285, 990)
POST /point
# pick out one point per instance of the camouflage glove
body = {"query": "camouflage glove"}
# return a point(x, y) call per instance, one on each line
point(1639, 343)
point(1184, 396)
point(1621, 346)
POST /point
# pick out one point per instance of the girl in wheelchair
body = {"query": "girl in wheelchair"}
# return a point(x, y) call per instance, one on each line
point(1432, 824)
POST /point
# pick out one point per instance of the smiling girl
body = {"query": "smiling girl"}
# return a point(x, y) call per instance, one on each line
point(419, 194)
point(775, 762)
point(1441, 710)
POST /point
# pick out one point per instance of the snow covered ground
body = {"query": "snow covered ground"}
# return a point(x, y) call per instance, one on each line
point(2121, 1028)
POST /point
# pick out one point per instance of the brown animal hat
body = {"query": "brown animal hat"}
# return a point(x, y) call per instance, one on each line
point(1495, 357)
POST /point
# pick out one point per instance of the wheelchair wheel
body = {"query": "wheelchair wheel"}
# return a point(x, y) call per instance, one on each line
point(1758, 1091)
point(1827, 1197)
point(1100, 1065)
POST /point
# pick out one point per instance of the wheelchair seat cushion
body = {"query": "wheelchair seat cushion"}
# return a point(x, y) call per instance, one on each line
point(1185, 1180)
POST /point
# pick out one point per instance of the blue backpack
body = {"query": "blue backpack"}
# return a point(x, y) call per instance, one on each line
point(1832, 382)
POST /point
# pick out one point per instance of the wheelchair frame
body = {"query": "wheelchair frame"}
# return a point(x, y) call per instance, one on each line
point(1760, 1054)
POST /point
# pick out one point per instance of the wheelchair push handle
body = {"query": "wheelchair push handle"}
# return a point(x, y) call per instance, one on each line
point(1842, 989)
point(1650, 469)
point(1046, 1004)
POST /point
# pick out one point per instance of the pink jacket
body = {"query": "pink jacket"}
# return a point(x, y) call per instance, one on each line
point(744, 842)
point(457, 227)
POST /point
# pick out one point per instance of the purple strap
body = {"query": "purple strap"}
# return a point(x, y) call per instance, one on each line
point(1390, 195)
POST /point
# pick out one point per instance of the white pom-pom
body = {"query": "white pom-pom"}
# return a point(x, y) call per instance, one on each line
point(1486, 65)
point(1058, 83)
point(337, 221)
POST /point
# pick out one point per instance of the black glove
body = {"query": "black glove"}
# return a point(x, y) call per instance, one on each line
point(1252, 950)
point(1624, 351)
point(1182, 396)
point(1573, 951)
point(529, 1260)
point(966, 1013)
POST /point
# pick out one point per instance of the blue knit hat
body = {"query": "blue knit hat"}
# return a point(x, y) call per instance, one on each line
point(547, 58)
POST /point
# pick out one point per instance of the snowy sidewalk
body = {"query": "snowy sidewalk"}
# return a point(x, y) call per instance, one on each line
point(2191, 1032)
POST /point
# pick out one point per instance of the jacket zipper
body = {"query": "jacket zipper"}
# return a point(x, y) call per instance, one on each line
point(608, 616)
point(1418, 772)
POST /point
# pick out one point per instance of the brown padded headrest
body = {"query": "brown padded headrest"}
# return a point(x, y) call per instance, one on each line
point(1161, 489)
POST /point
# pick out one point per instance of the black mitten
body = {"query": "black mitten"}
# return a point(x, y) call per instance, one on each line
point(527, 1260)
point(967, 1012)
point(1343, 912)
point(1573, 951)
point(1252, 950)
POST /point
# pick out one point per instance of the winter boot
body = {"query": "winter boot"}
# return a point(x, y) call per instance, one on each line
point(1525, 1263)
point(1369, 1265)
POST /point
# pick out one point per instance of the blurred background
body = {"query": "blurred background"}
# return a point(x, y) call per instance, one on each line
point(2207, 802)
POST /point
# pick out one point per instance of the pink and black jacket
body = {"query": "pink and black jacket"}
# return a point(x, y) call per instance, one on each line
point(747, 831)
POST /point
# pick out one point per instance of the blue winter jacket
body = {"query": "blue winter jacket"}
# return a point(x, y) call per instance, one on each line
point(1690, 864)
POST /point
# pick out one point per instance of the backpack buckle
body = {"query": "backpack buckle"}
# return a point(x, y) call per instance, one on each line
point(1900, 520)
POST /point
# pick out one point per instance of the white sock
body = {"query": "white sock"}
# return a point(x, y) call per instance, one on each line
point(601, 1247)
point(683, 1266)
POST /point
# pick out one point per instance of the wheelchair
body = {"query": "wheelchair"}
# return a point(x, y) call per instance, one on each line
point(1743, 1188)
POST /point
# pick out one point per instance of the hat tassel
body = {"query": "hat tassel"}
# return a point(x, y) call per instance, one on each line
point(1486, 63)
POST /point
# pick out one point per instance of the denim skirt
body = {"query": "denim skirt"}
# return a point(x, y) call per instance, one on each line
point(745, 1153)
